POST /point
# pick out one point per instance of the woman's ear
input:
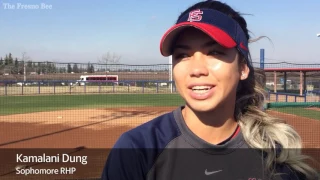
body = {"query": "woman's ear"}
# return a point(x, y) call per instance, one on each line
point(244, 72)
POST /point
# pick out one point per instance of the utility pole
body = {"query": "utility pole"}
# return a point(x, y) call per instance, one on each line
point(24, 72)
point(24, 59)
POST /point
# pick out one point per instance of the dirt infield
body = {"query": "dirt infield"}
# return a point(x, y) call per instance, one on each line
point(309, 129)
point(92, 128)
point(98, 128)
point(95, 129)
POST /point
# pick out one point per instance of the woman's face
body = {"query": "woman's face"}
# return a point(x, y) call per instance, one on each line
point(206, 74)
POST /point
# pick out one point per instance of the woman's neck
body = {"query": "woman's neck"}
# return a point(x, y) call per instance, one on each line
point(213, 127)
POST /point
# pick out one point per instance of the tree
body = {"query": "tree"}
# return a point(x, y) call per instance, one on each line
point(24, 60)
point(16, 63)
point(51, 68)
point(91, 69)
point(69, 69)
point(29, 64)
point(88, 67)
point(15, 69)
point(39, 68)
point(62, 70)
point(10, 59)
point(20, 67)
point(6, 60)
point(43, 68)
point(1, 61)
point(75, 68)
point(109, 58)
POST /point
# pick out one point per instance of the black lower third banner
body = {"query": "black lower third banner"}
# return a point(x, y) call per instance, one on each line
point(78, 163)
point(83, 163)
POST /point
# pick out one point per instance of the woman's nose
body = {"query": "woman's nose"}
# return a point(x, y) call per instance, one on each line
point(198, 65)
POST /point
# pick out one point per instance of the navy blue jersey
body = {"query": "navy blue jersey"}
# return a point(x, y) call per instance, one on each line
point(166, 149)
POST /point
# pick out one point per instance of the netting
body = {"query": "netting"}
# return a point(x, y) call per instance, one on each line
point(56, 105)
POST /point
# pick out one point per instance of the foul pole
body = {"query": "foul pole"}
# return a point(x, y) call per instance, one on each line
point(262, 58)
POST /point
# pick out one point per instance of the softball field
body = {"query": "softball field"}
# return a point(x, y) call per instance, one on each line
point(95, 121)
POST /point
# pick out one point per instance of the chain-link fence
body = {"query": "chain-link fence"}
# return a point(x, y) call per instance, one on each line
point(282, 77)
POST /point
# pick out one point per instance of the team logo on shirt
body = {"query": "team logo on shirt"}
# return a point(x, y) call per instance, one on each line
point(195, 15)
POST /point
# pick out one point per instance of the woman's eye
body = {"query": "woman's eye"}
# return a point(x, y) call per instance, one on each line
point(214, 53)
point(180, 56)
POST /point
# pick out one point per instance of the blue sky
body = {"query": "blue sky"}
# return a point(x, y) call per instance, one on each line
point(82, 31)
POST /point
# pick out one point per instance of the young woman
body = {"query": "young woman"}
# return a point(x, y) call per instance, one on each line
point(221, 131)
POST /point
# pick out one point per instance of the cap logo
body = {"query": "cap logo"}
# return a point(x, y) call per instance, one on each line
point(195, 15)
point(243, 47)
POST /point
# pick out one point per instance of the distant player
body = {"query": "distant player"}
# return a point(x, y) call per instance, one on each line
point(221, 132)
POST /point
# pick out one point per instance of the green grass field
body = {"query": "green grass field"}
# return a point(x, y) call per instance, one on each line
point(27, 104)
point(299, 111)
point(297, 108)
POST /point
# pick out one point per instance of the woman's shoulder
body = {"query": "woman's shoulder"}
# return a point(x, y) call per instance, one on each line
point(285, 171)
point(136, 150)
point(155, 133)
point(288, 173)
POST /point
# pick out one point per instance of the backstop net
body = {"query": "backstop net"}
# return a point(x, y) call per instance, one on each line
point(77, 105)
